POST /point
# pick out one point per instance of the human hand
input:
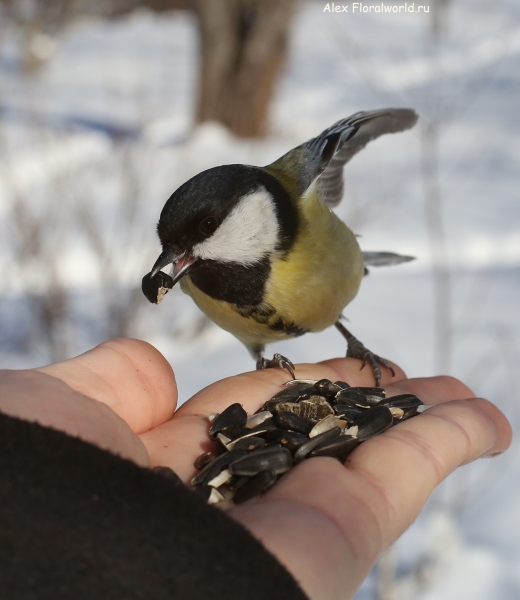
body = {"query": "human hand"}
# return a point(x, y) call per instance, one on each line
point(326, 522)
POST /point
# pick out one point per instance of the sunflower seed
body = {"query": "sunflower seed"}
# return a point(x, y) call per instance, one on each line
point(273, 405)
point(295, 390)
point(407, 402)
point(402, 401)
point(289, 439)
point(248, 442)
point(277, 460)
point(222, 443)
point(257, 419)
point(308, 409)
point(291, 394)
point(204, 492)
point(307, 419)
point(294, 382)
point(289, 420)
point(352, 431)
point(374, 421)
point(351, 396)
point(238, 481)
point(372, 400)
point(220, 463)
point(215, 496)
point(397, 413)
point(232, 416)
point(264, 427)
point(340, 447)
point(371, 391)
point(327, 388)
point(347, 412)
point(156, 287)
point(314, 442)
point(342, 384)
point(292, 407)
point(325, 424)
point(203, 460)
point(273, 443)
point(316, 407)
point(233, 433)
point(258, 484)
point(222, 478)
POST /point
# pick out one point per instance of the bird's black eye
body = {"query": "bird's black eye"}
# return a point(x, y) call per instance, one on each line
point(208, 225)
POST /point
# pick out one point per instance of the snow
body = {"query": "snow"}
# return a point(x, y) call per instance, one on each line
point(111, 116)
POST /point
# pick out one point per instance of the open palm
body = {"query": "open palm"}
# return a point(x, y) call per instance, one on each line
point(326, 522)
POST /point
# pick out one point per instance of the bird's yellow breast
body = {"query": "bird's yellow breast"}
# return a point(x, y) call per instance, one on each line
point(321, 274)
point(307, 288)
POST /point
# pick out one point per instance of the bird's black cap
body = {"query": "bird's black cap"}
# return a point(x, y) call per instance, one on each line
point(214, 193)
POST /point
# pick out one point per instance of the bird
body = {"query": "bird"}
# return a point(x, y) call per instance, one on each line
point(260, 250)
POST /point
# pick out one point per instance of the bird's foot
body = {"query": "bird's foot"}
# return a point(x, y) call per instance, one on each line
point(278, 361)
point(355, 349)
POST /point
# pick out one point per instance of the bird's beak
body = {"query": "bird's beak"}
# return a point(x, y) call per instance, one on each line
point(181, 264)
point(166, 258)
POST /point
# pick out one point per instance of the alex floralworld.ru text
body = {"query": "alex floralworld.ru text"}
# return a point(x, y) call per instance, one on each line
point(359, 7)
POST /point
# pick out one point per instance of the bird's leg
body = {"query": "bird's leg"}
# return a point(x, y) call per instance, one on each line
point(278, 361)
point(356, 349)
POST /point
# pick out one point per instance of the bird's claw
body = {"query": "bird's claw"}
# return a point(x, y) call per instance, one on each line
point(357, 350)
point(278, 361)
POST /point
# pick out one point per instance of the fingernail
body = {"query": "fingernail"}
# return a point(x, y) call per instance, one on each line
point(491, 454)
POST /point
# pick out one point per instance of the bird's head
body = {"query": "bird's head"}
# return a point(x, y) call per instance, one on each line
point(229, 214)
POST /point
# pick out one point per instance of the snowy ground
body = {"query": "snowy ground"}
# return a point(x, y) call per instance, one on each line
point(127, 87)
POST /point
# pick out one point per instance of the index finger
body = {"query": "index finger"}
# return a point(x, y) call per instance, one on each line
point(252, 389)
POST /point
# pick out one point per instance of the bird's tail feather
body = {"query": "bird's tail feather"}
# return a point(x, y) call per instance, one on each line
point(384, 259)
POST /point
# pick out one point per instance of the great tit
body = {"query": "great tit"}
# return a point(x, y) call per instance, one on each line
point(259, 249)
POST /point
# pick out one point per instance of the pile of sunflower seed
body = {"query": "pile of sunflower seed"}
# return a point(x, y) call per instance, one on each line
point(307, 419)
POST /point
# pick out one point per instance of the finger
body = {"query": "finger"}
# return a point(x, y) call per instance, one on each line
point(254, 388)
point(381, 489)
point(129, 376)
point(177, 444)
point(352, 371)
point(40, 398)
point(431, 390)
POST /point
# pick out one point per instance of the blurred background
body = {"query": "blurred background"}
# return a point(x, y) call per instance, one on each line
point(107, 107)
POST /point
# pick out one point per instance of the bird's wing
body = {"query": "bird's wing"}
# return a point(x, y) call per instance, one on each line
point(366, 127)
point(324, 156)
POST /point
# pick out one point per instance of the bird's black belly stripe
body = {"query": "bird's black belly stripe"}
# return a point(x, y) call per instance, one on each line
point(261, 314)
point(291, 329)
point(266, 315)
point(232, 282)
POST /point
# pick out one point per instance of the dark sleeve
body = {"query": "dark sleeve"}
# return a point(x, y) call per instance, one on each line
point(78, 522)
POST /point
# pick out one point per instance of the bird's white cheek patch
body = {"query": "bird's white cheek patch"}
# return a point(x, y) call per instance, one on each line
point(248, 234)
